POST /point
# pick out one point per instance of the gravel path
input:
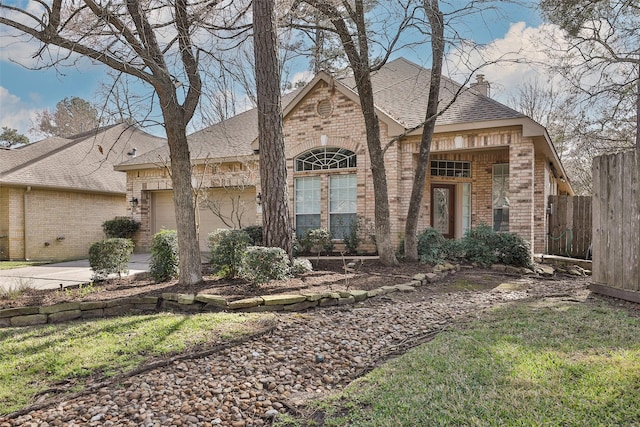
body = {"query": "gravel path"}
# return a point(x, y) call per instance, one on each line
point(308, 355)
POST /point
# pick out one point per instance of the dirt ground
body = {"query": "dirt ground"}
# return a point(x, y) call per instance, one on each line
point(328, 275)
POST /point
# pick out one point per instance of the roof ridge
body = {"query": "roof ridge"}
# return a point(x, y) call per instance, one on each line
point(40, 157)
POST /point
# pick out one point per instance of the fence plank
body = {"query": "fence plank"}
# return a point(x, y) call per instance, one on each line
point(596, 225)
point(616, 225)
point(615, 208)
point(569, 226)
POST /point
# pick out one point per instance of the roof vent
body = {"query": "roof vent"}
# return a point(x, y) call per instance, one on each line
point(132, 153)
point(481, 86)
point(324, 108)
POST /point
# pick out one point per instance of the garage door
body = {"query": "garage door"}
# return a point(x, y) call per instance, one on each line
point(235, 206)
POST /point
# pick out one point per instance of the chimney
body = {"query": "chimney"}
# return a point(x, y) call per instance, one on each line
point(481, 86)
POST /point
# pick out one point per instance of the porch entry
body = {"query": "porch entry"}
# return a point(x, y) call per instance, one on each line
point(443, 208)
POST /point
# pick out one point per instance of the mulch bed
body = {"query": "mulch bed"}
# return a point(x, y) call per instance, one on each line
point(328, 275)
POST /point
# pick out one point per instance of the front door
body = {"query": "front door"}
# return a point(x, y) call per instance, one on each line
point(443, 208)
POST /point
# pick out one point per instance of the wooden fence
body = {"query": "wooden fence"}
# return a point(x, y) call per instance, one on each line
point(616, 225)
point(569, 231)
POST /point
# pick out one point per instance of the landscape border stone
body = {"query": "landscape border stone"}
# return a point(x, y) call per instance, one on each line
point(196, 303)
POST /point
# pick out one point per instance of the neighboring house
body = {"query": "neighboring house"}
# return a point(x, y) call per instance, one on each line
point(56, 193)
point(489, 163)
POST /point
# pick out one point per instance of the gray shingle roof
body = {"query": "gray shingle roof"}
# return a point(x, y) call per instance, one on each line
point(401, 90)
point(82, 162)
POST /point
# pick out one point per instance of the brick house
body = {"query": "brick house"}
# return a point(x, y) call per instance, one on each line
point(56, 193)
point(489, 163)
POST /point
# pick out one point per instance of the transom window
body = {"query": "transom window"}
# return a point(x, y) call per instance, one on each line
point(325, 158)
point(450, 168)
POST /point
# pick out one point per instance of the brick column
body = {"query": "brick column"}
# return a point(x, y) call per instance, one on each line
point(521, 188)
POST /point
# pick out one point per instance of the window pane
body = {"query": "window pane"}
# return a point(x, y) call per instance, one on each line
point(341, 225)
point(501, 197)
point(342, 204)
point(307, 204)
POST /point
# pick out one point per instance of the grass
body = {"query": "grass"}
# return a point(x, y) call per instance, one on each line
point(34, 359)
point(541, 364)
point(14, 290)
point(7, 265)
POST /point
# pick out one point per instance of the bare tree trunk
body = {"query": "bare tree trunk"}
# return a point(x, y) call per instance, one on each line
point(276, 226)
point(437, 52)
point(378, 170)
point(188, 248)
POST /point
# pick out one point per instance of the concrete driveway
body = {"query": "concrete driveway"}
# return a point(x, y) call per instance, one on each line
point(52, 276)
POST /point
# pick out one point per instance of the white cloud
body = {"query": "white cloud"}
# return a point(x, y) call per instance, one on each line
point(15, 114)
point(507, 62)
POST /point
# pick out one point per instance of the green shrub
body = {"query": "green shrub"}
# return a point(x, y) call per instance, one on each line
point(110, 256)
point(301, 266)
point(261, 264)
point(227, 249)
point(353, 238)
point(454, 250)
point(479, 244)
point(317, 241)
point(431, 246)
point(121, 227)
point(255, 234)
point(164, 256)
point(513, 250)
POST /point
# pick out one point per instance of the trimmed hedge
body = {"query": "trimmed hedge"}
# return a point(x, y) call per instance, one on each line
point(110, 256)
point(260, 264)
point(164, 256)
point(122, 227)
point(227, 249)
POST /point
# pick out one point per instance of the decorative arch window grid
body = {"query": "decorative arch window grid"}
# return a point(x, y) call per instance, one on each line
point(325, 158)
point(338, 205)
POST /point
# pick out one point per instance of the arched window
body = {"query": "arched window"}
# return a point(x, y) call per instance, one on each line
point(340, 190)
point(325, 158)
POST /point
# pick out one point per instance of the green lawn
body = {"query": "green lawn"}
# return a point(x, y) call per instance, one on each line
point(553, 364)
point(33, 359)
point(7, 265)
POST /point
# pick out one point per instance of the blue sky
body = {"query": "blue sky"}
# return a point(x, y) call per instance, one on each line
point(24, 91)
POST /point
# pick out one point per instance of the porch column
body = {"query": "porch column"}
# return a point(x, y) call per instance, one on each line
point(521, 189)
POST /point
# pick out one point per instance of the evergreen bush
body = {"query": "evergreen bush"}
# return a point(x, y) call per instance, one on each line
point(431, 246)
point(513, 250)
point(480, 244)
point(121, 227)
point(110, 256)
point(301, 266)
point(164, 256)
point(227, 249)
point(255, 234)
point(317, 241)
point(261, 264)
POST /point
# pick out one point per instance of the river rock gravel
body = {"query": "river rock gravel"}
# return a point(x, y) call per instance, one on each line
point(307, 356)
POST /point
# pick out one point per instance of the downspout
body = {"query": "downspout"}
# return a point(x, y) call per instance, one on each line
point(25, 209)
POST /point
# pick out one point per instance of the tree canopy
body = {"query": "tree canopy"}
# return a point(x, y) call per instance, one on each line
point(71, 116)
point(10, 138)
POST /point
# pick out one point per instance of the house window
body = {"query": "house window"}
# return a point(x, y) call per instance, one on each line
point(342, 204)
point(466, 207)
point(451, 168)
point(338, 206)
point(325, 158)
point(501, 197)
point(307, 204)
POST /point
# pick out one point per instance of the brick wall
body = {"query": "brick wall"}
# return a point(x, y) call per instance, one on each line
point(62, 225)
point(521, 189)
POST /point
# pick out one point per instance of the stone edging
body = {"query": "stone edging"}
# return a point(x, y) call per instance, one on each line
point(195, 303)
